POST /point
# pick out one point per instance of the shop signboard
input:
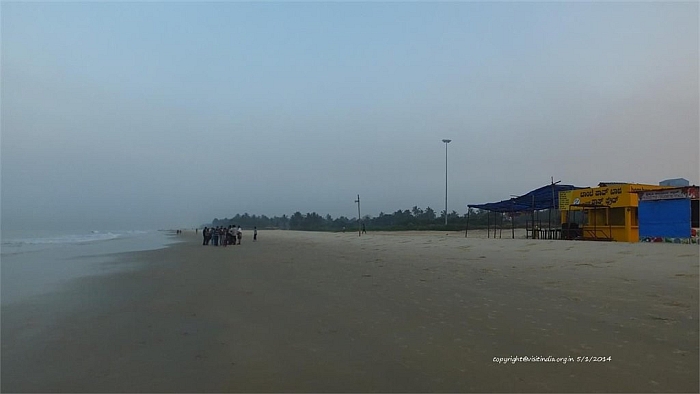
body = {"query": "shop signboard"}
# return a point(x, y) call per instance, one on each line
point(616, 196)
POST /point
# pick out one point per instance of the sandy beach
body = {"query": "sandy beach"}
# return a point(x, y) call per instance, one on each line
point(385, 312)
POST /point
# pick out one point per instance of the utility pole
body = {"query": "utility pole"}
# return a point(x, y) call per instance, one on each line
point(359, 218)
point(554, 199)
point(552, 207)
point(446, 141)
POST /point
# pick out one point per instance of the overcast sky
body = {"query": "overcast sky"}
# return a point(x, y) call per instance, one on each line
point(156, 115)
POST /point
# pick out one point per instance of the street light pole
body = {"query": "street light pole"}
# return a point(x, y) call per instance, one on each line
point(446, 142)
point(359, 222)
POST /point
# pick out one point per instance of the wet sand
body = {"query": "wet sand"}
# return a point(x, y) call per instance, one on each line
point(385, 312)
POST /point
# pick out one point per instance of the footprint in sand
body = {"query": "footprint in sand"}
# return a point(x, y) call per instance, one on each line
point(589, 264)
point(661, 318)
point(572, 298)
point(688, 275)
point(676, 303)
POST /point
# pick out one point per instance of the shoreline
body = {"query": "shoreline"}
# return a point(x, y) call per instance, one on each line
point(385, 312)
point(43, 267)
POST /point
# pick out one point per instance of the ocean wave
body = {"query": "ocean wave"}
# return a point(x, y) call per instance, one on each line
point(62, 239)
point(30, 244)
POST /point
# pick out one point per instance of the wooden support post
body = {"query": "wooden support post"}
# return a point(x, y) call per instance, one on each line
point(488, 224)
point(467, 230)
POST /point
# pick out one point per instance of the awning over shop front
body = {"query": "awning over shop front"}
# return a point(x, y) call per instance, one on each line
point(545, 197)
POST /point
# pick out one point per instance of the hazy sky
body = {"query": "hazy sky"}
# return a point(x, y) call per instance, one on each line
point(153, 115)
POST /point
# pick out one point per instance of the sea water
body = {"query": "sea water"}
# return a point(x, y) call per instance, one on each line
point(37, 262)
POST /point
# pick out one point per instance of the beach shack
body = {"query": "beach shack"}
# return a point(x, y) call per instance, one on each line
point(669, 215)
point(608, 212)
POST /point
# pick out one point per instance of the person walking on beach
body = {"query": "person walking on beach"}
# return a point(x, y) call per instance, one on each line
point(204, 235)
point(215, 237)
point(364, 230)
point(232, 233)
point(239, 233)
point(255, 233)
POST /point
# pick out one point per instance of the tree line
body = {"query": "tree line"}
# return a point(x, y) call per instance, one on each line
point(413, 219)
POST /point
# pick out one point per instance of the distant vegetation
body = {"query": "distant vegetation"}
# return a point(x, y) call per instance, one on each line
point(413, 219)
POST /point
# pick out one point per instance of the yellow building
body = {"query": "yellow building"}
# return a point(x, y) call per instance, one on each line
point(607, 212)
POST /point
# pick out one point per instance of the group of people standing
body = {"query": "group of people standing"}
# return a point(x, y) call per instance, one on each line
point(223, 236)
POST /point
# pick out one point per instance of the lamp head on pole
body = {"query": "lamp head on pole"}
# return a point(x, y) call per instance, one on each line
point(447, 141)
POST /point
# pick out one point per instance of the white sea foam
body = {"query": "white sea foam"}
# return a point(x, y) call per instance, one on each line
point(35, 265)
point(25, 243)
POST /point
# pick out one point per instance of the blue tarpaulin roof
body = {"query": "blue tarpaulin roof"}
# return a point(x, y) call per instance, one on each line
point(543, 199)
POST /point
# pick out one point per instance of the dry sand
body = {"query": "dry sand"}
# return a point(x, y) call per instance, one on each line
point(385, 312)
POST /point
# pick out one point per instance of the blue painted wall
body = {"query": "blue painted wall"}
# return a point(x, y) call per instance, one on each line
point(664, 218)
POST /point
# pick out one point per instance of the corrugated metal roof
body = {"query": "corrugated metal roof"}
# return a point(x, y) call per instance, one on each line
point(545, 197)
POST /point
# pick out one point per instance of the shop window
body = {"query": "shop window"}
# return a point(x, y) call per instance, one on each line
point(597, 217)
point(617, 216)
